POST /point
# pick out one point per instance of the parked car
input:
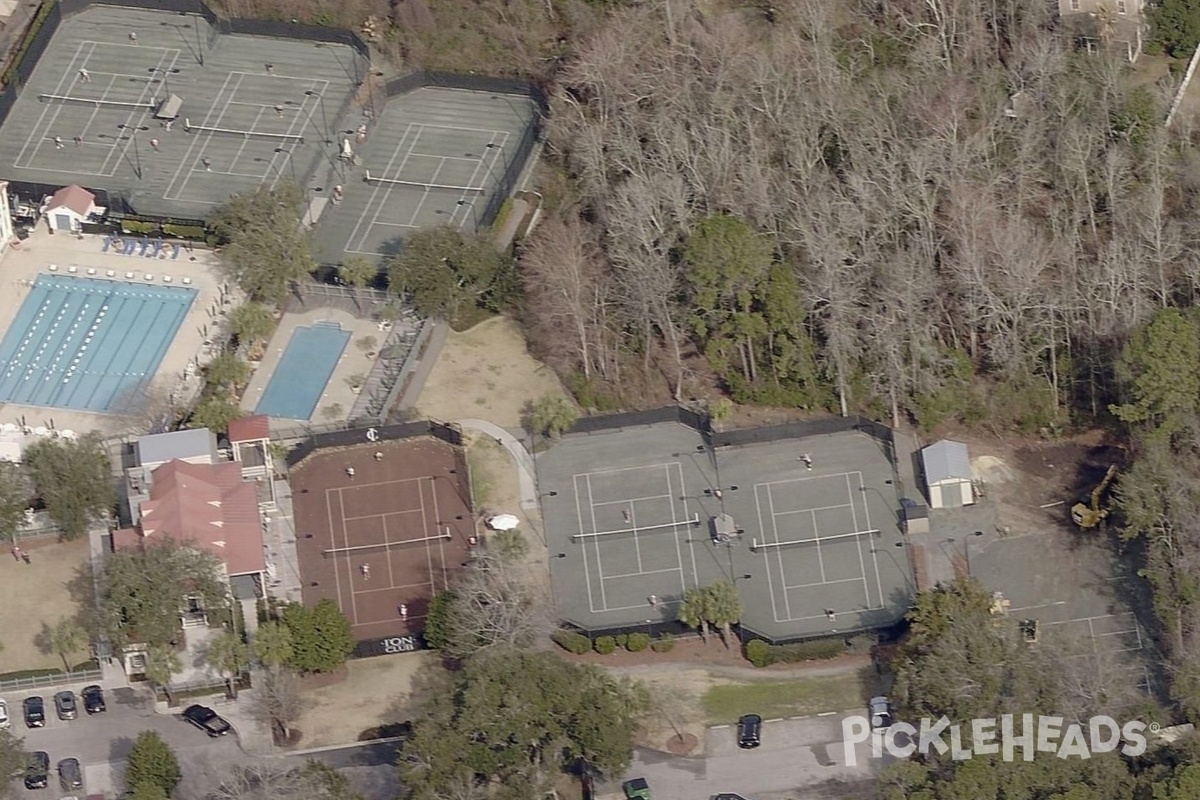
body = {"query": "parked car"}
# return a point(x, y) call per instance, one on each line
point(37, 771)
point(5, 722)
point(206, 720)
point(35, 712)
point(721, 796)
point(881, 713)
point(636, 789)
point(65, 705)
point(93, 700)
point(749, 731)
point(70, 774)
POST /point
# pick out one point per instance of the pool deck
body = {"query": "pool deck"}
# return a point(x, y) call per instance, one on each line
point(352, 361)
point(33, 256)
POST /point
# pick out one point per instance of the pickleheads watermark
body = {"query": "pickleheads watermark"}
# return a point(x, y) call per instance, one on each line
point(1006, 735)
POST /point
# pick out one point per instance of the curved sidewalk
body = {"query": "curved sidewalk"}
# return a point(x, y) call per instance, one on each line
point(525, 467)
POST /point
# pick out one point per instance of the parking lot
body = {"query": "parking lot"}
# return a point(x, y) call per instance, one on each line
point(101, 742)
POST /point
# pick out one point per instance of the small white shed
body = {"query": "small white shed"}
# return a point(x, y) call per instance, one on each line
point(70, 207)
point(948, 474)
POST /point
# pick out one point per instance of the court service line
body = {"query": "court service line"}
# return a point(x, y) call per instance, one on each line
point(816, 544)
point(822, 583)
point(814, 510)
point(401, 511)
point(387, 195)
point(674, 533)
point(874, 555)
point(349, 563)
point(690, 543)
point(862, 564)
point(362, 217)
point(441, 543)
point(497, 150)
point(808, 480)
point(762, 526)
point(425, 526)
point(170, 193)
point(637, 574)
point(787, 603)
point(387, 552)
point(135, 118)
point(637, 546)
point(587, 570)
point(637, 499)
point(337, 571)
point(596, 539)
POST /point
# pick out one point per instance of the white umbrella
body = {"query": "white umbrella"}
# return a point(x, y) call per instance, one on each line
point(503, 522)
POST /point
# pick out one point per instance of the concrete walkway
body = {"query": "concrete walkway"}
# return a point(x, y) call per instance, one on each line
point(525, 467)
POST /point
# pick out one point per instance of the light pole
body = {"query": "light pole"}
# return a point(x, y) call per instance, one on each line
point(292, 164)
point(325, 131)
point(166, 73)
point(137, 155)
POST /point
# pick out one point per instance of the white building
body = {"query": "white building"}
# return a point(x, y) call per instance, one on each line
point(70, 207)
point(948, 474)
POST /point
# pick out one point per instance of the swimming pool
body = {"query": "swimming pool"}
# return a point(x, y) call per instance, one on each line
point(301, 374)
point(88, 343)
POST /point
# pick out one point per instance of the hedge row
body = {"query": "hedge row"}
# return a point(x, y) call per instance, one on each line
point(166, 228)
point(761, 654)
point(579, 644)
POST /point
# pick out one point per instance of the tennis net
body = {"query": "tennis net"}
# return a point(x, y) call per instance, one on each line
point(88, 101)
point(290, 138)
point(377, 180)
point(683, 523)
point(337, 551)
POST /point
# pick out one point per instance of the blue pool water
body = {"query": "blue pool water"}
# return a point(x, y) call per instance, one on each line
point(301, 375)
point(87, 343)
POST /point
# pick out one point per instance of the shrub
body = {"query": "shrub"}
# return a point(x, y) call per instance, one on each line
point(605, 645)
point(638, 642)
point(622, 640)
point(572, 642)
point(807, 651)
point(663, 644)
point(758, 652)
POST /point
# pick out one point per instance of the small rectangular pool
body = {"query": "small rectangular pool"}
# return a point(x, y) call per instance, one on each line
point(302, 373)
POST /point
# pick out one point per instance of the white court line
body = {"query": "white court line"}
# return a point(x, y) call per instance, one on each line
point(362, 242)
point(387, 552)
point(587, 570)
point(596, 540)
point(448, 158)
point(187, 161)
point(809, 479)
point(821, 583)
point(637, 547)
point(674, 532)
point(690, 539)
point(462, 197)
point(822, 508)
point(762, 526)
point(39, 129)
point(874, 555)
point(637, 574)
point(637, 499)
point(401, 511)
point(816, 543)
point(441, 543)
point(349, 565)
point(642, 606)
point(862, 565)
point(787, 601)
point(337, 571)
point(425, 525)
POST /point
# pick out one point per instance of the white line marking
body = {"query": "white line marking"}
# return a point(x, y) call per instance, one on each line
point(587, 479)
point(862, 566)
point(766, 558)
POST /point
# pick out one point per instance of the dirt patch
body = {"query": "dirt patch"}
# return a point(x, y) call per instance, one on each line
point(495, 489)
point(372, 695)
point(485, 373)
point(37, 593)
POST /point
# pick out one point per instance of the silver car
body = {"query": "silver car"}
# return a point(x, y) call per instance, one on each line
point(65, 705)
point(881, 714)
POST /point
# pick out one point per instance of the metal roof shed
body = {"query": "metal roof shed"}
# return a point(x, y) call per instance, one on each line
point(947, 467)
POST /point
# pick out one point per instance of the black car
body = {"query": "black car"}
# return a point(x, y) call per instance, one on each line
point(728, 796)
point(70, 774)
point(749, 731)
point(65, 705)
point(35, 712)
point(93, 700)
point(37, 771)
point(206, 720)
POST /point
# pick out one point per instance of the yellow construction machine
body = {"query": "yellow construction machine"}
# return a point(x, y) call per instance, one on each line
point(1092, 510)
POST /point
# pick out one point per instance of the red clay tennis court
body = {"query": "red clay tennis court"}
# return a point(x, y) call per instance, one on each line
point(380, 528)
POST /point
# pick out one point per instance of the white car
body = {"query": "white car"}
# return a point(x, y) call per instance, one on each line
point(5, 722)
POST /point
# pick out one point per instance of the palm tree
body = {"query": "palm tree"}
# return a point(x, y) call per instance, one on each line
point(228, 654)
point(724, 608)
point(357, 272)
point(273, 644)
point(65, 638)
point(161, 663)
point(694, 610)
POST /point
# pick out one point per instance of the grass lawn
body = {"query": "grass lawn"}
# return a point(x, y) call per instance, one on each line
point(724, 703)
